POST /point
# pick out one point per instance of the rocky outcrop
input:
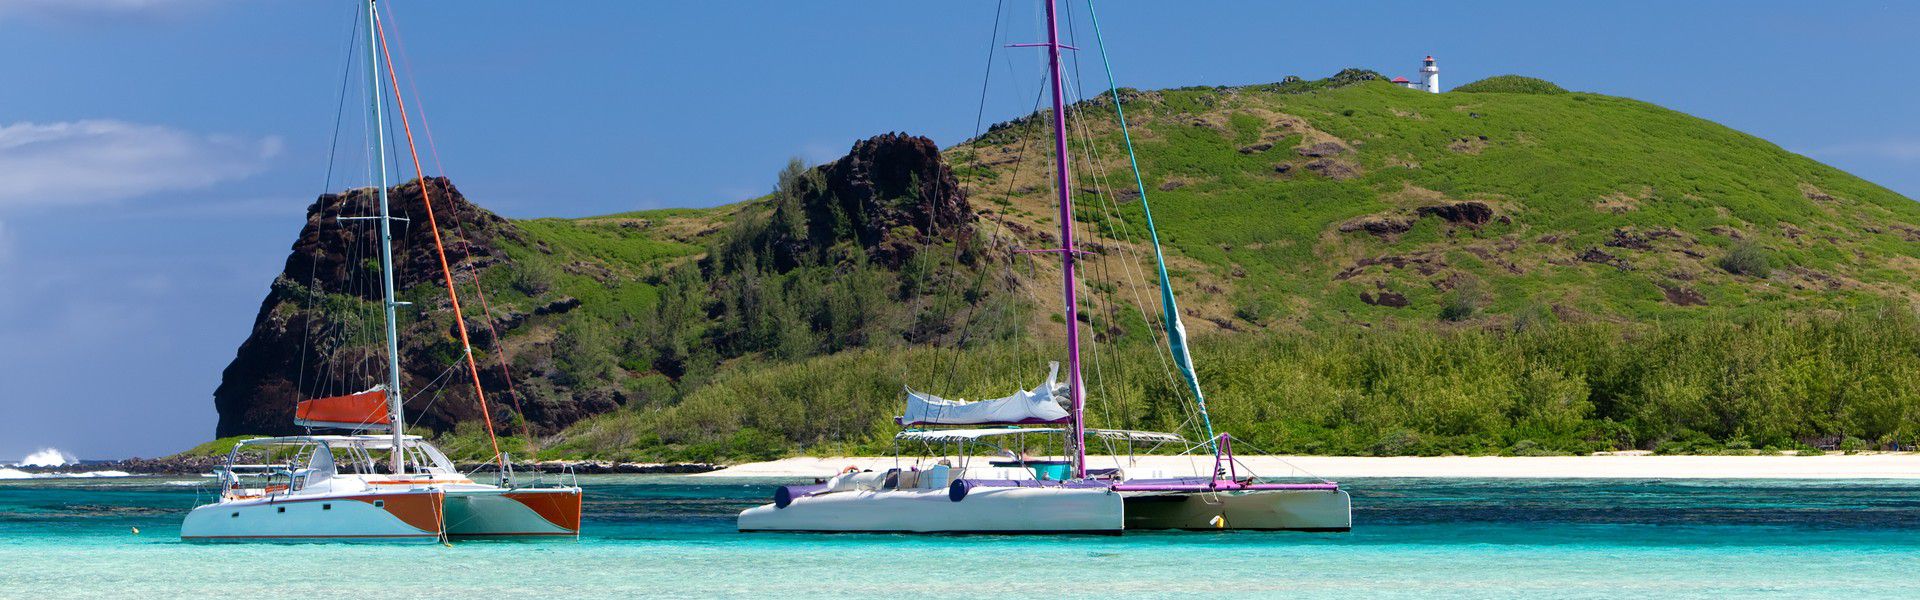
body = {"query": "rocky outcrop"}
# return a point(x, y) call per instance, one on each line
point(311, 335)
point(1382, 226)
point(1385, 298)
point(1460, 213)
point(890, 194)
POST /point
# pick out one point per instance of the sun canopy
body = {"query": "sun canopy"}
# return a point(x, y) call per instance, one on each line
point(365, 410)
point(1135, 436)
point(1036, 406)
point(968, 435)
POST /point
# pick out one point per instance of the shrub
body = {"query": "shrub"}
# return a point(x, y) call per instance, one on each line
point(1747, 258)
point(1465, 301)
point(1399, 442)
point(1512, 84)
point(1852, 445)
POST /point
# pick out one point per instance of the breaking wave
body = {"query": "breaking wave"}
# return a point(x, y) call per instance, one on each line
point(53, 458)
point(48, 457)
point(6, 473)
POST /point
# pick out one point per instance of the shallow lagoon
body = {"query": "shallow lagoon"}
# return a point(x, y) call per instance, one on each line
point(671, 536)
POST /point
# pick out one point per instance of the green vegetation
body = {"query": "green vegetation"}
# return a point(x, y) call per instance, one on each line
point(1512, 84)
point(1746, 259)
point(1616, 292)
point(1509, 268)
point(216, 448)
point(1684, 387)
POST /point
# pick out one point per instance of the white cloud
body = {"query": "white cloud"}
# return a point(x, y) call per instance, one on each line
point(91, 161)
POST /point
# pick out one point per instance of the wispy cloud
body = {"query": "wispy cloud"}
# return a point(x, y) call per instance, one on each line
point(91, 161)
point(1900, 150)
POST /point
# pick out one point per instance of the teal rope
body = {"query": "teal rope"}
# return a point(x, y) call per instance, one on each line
point(1176, 334)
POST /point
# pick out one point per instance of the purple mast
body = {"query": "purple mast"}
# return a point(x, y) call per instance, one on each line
point(1067, 255)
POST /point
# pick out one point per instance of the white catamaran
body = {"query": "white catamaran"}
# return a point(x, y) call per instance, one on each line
point(1023, 495)
point(384, 485)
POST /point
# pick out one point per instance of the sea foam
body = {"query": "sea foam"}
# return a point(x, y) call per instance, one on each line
point(48, 457)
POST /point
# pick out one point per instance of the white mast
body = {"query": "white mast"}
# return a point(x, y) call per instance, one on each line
point(394, 396)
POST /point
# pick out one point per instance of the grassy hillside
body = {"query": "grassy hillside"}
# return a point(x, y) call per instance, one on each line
point(1301, 207)
point(1509, 267)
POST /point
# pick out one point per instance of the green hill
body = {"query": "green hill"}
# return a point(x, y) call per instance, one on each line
point(1508, 267)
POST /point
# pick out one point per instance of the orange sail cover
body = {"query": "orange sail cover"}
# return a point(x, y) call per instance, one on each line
point(365, 410)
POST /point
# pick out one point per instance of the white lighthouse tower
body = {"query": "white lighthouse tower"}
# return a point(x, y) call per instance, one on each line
point(1430, 75)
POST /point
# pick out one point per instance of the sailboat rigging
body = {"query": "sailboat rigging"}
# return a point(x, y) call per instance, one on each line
point(331, 486)
point(1025, 495)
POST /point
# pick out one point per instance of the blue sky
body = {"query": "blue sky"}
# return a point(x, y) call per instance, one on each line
point(156, 156)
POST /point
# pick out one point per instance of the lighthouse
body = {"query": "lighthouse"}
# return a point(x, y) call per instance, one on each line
point(1430, 75)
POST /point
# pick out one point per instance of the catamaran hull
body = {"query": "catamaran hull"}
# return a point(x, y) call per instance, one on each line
point(384, 517)
point(1260, 510)
point(981, 510)
point(543, 512)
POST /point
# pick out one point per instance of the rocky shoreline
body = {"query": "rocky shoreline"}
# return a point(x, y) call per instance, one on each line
point(200, 465)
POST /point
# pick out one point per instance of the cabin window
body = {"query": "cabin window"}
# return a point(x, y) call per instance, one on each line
point(235, 515)
point(282, 509)
point(379, 504)
point(326, 507)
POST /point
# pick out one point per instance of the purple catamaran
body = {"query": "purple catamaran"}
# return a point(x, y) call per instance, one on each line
point(1026, 495)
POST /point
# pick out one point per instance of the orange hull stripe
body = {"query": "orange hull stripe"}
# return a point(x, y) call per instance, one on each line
point(562, 510)
point(420, 511)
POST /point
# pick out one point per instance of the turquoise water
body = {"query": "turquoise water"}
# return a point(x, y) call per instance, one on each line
point(673, 537)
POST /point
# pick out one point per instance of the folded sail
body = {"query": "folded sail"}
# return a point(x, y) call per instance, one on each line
point(365, 410)
point(1038, 405)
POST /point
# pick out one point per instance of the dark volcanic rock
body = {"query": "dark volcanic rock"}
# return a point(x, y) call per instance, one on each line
point(1333, 169)
point(558, 306)
point(1628, 238)
point(1598, 256)
point(1383, 226)
point(1683, 296)
point(890, 194)
point(1461, 213)
point(1322, 150)
point(1385, 298)
point(302, 340)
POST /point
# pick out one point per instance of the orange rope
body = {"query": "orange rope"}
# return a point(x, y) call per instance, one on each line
point(486, 310)
point(433, 225)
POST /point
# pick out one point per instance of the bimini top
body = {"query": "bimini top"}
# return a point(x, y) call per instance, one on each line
point(968, 435)
point(1040, 405)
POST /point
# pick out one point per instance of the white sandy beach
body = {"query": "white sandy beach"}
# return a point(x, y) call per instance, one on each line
point(1624, 466)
